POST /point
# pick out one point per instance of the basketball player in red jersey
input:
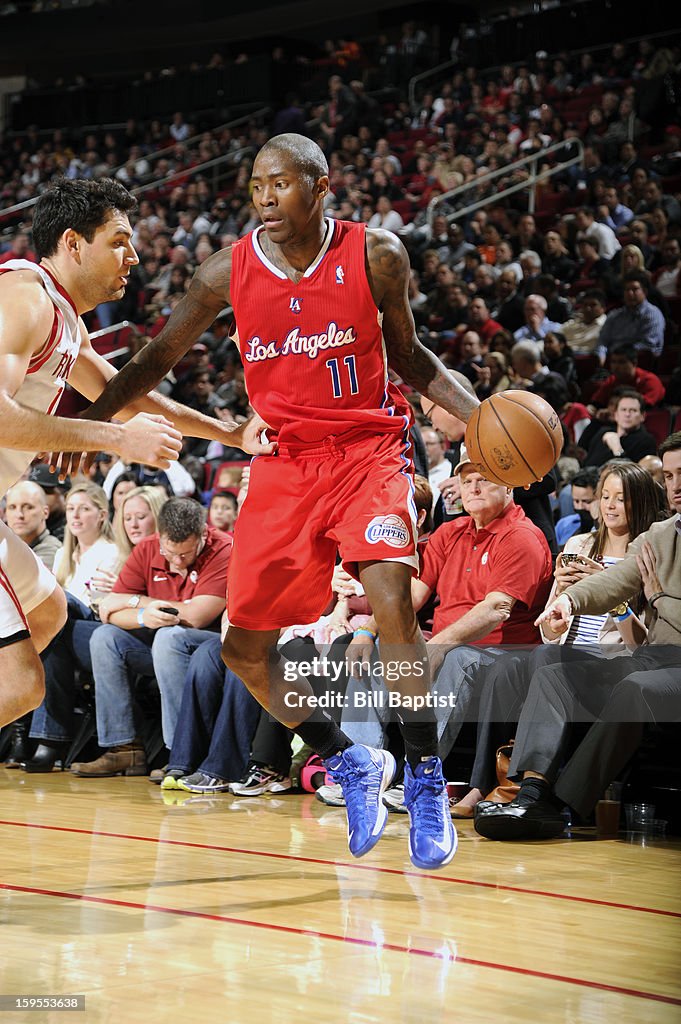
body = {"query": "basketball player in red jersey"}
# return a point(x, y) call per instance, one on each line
point(82, 237)
point(321, 309)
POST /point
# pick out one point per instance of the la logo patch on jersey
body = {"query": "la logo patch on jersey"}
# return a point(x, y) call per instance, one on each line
point(295, 305)
point(340, 275)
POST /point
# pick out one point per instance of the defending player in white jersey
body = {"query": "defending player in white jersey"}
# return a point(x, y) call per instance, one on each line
point(82, 236)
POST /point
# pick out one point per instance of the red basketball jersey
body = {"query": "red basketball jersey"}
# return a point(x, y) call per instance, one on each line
point(313, 352)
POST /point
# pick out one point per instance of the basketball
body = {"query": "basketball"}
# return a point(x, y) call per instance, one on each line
point(515, 437)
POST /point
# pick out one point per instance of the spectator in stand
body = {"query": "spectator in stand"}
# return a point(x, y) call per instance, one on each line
point(614, 213)
point(588, 227)
point(528, 368)
point(583, 330)
point(637, 322)
point(530, 264)
point(26, 512)
point(537, 323)
point(560, 359)
point(592, 271)
point(639, 233)
point(653, 196)
point(20, 249)
point(556, 260)
point(386, 217)
point(629, 439)
point(667, 278)
point(558, 308)
point(480, 320)
point(505, 261)
point(493, 376)
point(526, 235)
point(470, 350)
point(223, 511)
point(509, 307)
point(626, 373)
point(181, 567)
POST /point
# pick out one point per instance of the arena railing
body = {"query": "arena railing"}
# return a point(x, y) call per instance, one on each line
point(534, 178)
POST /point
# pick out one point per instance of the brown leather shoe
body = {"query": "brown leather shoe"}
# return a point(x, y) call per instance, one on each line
point(127, 759)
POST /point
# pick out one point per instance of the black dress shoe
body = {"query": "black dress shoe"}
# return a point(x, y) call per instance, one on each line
point(45, 759)
point(19, 748)
point(521, 819)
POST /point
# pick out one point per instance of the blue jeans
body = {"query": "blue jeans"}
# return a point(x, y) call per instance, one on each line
point(217, 718)
point(118, 655)
point(69, 651)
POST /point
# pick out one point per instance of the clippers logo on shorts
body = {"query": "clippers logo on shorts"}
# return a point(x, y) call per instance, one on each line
point(389, 530)
point(295, 305)
point(340, 275)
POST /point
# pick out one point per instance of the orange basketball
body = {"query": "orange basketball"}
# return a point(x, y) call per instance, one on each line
point(515, 437)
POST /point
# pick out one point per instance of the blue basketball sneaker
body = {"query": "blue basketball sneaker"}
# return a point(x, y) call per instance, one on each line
point(432, 837)
point(363, 774)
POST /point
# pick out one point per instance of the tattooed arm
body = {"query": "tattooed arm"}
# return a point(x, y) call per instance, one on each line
point(208, 294)
point(388, 273)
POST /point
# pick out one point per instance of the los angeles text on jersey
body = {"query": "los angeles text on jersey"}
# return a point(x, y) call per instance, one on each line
point(297, 344)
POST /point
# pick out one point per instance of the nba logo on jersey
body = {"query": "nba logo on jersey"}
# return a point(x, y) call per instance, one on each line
point(295, 305)
point(340, 275)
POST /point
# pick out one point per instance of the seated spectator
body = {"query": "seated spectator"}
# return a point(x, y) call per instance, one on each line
point(591, 270)
point(667, 277)
point(493, 376)
point(509, 307)
point(582, 331)
point(588, 227)
point(558, 309)
point(470, 350)
point(55, 492)
point(628, 506)
point(85, 566)
point(26, 512)
point(223, 511)
point(557, 261)
point(135, 518)
point(628, 440)
point(626, 373)
point(637, 322)
point(624, 695)
point(215, 727)
point(612, 212)
point(582, 492)
point(20, 249)
point(386, 217)
point(528, 368)
point(537, 323)
point(169, 596)
point(480, 320)
point(559, 359)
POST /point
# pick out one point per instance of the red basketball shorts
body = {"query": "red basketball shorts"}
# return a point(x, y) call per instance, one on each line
point(301, 509)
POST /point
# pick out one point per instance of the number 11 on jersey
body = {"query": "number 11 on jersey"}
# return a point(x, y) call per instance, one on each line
point(336, 383)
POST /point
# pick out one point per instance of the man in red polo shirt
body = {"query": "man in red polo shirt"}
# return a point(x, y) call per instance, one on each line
point(625, 372)
point(167, 600)
point(492, 572)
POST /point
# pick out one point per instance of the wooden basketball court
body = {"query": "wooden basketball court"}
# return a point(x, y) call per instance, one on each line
point(167, 907)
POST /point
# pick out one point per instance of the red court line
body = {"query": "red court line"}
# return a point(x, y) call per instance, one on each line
point(435, 877)
point(394, 947)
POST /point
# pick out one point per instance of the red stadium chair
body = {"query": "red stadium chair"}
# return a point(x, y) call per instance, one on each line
point(658, 422)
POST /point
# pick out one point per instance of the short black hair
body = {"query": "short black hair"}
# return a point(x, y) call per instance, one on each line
point(81, 205)
point(641, 276)
point(305, 155)
point(625, 349)
point(587, 477)
point(225, 494)
point(181, 518)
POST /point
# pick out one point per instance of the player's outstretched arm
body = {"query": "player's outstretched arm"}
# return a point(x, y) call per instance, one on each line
point(208, 294)
point(26, 316)
point(388, 271)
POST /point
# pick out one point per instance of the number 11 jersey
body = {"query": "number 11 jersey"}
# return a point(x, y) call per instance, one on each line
point(313, 351)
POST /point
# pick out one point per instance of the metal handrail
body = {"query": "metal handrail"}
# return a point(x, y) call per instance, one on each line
point(231, 158)
point(531, 182)
point(426, 74)
point(260, 112)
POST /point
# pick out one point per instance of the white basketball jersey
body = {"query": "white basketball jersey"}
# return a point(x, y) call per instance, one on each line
point(48, 370)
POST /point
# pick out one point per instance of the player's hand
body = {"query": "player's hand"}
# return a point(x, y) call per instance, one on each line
point(647, 566)
point(70, 463)
point(557, 616)
point(254, 437)
point(151, 440)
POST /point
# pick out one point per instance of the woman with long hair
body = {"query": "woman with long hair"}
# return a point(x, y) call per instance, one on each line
point(94, 552)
